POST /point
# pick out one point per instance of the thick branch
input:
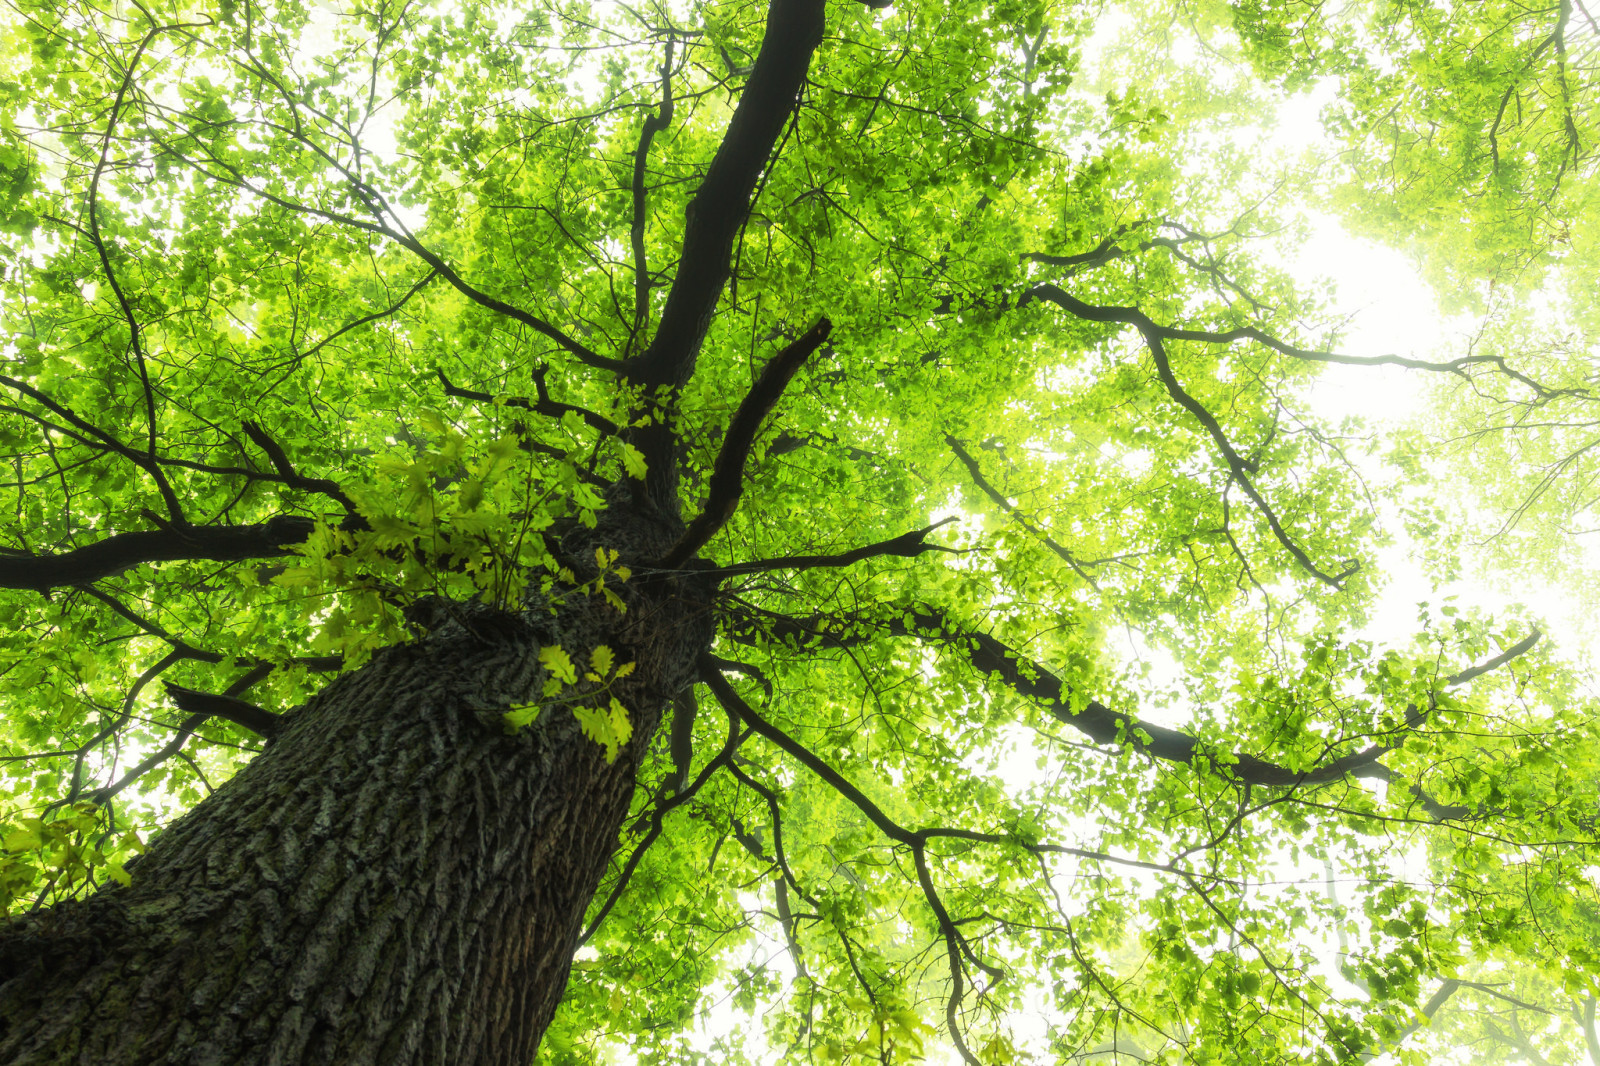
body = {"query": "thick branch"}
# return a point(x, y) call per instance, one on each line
point(794, 29)
point(713, 220)
point(1108, 249)
point(993, 658)
point(726, 484)
point(240, 712)
point(122, 551)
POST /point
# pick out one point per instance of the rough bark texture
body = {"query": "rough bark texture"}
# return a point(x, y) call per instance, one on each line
point(393, 881)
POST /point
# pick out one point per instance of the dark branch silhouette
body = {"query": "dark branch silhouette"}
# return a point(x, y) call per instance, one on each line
point(1239, 467)
point(1028, 677)
point(906, 546)
point(123, 551)
point(727, 474)
point(240, 712)
point(1004, 504)
point(713, 220)
point(293, 479)
point(544, 405)
point(658, 819)
point(916, 841)
point(641, 157)
point(146, 461)
point(186, 729)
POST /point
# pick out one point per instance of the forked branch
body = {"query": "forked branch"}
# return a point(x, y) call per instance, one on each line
point(658, 820)
point(713, 220)
point(917, 841)
point(149, 462)
point(186, 729)
point(1240, 468)
point(727, 474)
point(290, 476)
point(722, 202)
point(544, 405)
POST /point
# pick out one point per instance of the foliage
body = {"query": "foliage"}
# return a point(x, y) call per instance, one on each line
point(1074, 775)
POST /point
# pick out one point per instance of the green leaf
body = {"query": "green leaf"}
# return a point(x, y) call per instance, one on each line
point(608, 726)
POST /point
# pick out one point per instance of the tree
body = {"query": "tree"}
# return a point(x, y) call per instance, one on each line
point(517, 441)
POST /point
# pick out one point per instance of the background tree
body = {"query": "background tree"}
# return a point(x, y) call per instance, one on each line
point(814, 513)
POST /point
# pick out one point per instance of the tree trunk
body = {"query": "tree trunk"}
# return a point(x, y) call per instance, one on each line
point(394, 880)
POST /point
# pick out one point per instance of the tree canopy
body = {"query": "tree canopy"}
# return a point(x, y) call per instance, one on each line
point(1043, 720)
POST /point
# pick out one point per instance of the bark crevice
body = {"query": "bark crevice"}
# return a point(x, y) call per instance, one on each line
point(393, 880)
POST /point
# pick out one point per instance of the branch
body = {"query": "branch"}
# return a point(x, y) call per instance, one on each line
point(726, 484)
point(1517, 650)
point(658, 819)
point(680, 744)
point(149, 463)
point(953, 944)
point(290, 477)
point(356, 323)
point(377, 205)
point(712, 223)
point(1005, 505)
point(915, 840)
point(641, 157)
point(771, 798)
point(1108, 249)
point(240, 712)
point(1267, 340)
point(739, 709)
point(184, 650)
point(794, 29)
point(1240, 467)
point(906, 545)
point(122, 551)
point(752, 672)
point(578, 350)
point(134, 340)
point(544, 405)
point(993, 658)
point(174, 746)
point(81, 753)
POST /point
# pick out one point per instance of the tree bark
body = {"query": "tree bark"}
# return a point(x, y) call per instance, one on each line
point(393, 881)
